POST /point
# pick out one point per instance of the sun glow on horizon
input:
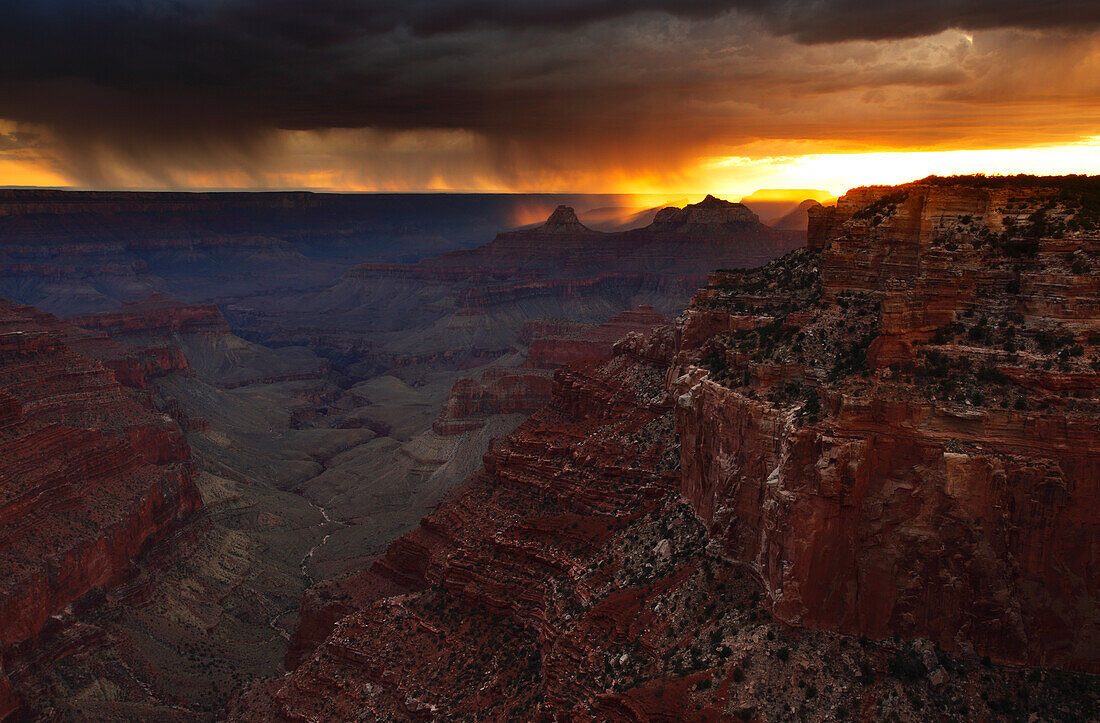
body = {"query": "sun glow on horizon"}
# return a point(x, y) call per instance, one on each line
point(839, 172)
point(365, 161)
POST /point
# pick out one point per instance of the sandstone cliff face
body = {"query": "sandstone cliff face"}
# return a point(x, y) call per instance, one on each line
point(909, 477)
point(879, 466)
point(90, 475)
point(499, 391)
point(549, 348)
point(8, 701)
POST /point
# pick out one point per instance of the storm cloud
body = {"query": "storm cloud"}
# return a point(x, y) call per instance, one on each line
point(173, 83)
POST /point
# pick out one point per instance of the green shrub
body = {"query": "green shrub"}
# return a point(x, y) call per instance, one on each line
point(906, 665)
point(991, 375)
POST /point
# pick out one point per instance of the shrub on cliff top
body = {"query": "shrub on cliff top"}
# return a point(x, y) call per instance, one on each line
point(882, 207)
point(811, 410)
point(1018, 247)
point(906, 665)
point(715, 362)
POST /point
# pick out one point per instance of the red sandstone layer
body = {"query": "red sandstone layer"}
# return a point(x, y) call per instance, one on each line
point(550, 348)
point(89, 474)
point(156, 315)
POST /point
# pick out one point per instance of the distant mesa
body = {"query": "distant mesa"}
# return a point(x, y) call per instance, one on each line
point(796, 220)
point(788, 195)
point(784, 209)
point(722, 233)
point(711, 213)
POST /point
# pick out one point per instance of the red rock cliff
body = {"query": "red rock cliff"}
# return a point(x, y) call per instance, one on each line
point(550, 345)
point(89, 474)
point(893, 444)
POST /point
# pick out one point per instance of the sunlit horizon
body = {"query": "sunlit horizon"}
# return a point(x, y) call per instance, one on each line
point(331, 162)
point(830, 174)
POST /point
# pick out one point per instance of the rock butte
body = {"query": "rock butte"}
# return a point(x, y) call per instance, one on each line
point(891, 433)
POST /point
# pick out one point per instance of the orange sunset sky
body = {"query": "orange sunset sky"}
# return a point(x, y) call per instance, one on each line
point(646, 98)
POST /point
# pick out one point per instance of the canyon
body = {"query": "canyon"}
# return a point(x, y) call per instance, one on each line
point(71, 252)
point(464, 308)
point(568, 361)
point(303, 460)
point(695, 469)
point(858, 480)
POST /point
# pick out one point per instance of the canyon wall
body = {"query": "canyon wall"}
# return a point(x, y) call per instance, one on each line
point(941, 483)
point(523, 389)
point(90, 476)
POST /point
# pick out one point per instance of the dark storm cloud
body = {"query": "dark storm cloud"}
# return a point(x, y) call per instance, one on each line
point(146, 43)
point(836, 20)
point(809, 20)
point(204, 76)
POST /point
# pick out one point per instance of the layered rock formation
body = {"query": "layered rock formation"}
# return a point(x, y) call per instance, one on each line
point(80, 252)
point(208, 606)
point(183, 336)
point(90, 476)
point(522, 390)
point(679, 241)
point(500, 391)
point(891, 433)
point(465, 308)
point(552, 345)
